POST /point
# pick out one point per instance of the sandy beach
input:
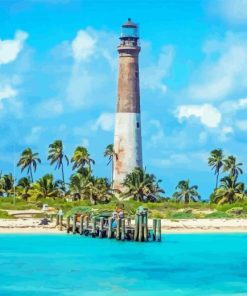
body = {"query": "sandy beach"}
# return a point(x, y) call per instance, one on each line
point(31, 225)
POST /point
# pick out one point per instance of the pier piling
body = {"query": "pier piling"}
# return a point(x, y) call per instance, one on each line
point(81, 225)
point(159, 230)
point(122, 229)
point(109, 227)
point(68, 224)
point(74, 225)
point(101, 226)
point(154, 229)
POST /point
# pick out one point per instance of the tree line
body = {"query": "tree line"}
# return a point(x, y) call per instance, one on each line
point(138, 185)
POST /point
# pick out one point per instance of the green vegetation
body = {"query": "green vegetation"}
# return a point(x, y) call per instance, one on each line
point(84, 189)
point(186, 193)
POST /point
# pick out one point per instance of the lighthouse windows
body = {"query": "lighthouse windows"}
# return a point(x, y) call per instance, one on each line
point(137, 124)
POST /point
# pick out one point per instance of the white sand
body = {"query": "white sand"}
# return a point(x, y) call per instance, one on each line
point(31, 225)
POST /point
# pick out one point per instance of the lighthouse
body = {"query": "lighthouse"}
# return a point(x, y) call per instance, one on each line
point(127, 137)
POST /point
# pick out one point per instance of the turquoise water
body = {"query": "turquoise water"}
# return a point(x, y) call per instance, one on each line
point(49, 265)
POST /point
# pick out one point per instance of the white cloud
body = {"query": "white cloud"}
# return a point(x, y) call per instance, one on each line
point(50, 108)
point(7, 91)
point(83, 46)
point(105, 122)
point(9, 49)
point(93, 67)
point(208, 115)
point(234, 11)
point(225, 133)
point(223, 71)
point(242, 125)
point(34, 135)
point(157, 135)
point(152, 76)
point(85, 142)
point(232, 106)
point(193, 160)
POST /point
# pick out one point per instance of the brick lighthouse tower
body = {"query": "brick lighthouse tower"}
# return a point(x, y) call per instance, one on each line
point(127, 138)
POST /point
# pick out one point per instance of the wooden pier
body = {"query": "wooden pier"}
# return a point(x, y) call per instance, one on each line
point(107, 227)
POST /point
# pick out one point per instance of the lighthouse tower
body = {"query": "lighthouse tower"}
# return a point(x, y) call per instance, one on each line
point(127, 138)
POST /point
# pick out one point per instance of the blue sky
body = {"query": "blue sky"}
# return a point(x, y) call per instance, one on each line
point(58, 73)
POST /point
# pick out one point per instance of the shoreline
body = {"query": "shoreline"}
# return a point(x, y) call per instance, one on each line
point(182, 226)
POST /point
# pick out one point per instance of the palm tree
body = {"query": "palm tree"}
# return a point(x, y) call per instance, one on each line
point(85, 186)
point(142, 186)
point(23, 187)
point(46, 187)
point(231, 166)
point(111, 154)
point(6, 184)
point(186, 193)
point(229, 191)
point(29, 160)
point(81, 158)
point(56, 155)
point(215, 161)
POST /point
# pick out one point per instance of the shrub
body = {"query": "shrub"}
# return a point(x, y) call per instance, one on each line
point(5, 215)
point(217, 215)
point(181, 215)
point(236, 211)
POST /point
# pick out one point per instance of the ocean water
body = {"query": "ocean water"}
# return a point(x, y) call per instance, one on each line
point(191, 264)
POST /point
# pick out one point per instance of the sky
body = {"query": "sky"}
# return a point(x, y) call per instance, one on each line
point(58, 80)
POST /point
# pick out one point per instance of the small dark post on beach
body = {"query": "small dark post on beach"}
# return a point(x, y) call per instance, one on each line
point(129, 221)
point(68, 224)
point(101, 224)
point(109, 227)
point(74, 224)
point(159, 230)
point(122, 229)
point(154, 229)
point(81, 225)
point(136, 227)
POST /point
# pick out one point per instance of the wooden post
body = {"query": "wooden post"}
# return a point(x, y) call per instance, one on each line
point(109, 227)
point(122, 229)
point(68, 224)
point(145, 227)
point(159, 230)
point(136, 227)
point(101, 225)
point(57, 220)
point(86, 222)
point(94, 226)
point(74, 224)
point(118, 228)
point(61, 223)
point(154, 229)
point(140, 234)
point(81, 225)
point(129, 221)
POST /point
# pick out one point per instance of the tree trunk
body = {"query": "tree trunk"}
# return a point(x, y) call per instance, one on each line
point(63, 178)
point(31, 173)
point(112, 168)
point(217, 178)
